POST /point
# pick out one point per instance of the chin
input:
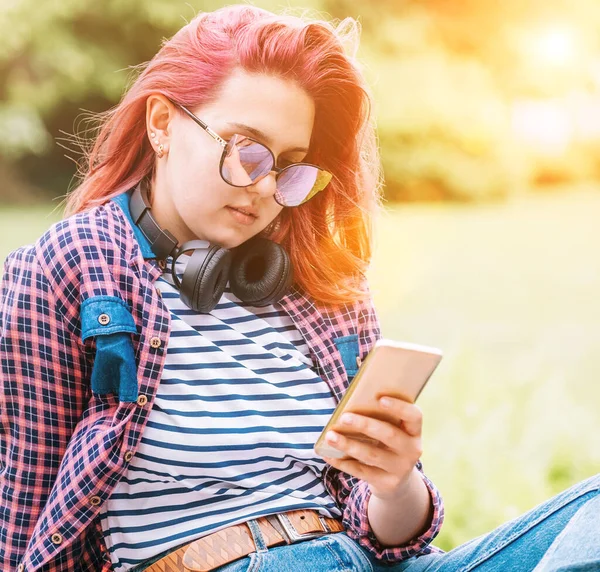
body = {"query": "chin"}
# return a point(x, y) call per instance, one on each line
point(229, 240)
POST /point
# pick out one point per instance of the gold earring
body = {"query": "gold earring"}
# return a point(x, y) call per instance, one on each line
point(160, 151)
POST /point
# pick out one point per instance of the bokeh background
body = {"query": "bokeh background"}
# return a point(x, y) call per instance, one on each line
point(489, 126)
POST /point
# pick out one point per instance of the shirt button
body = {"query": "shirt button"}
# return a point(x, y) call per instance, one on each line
point(128, 455)
point(358, 361)
point(142, 400)
point(162, 264)
point(104, 319)
point(20, 567)
point(56, 538)
point(95, 500)
point(155, 342)
point(159, 292)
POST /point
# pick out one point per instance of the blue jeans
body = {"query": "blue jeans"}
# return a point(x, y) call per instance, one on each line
point(560, 534)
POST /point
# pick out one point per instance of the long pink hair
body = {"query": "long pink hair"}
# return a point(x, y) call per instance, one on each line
point(329, 238)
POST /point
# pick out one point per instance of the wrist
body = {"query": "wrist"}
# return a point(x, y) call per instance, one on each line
point(407, 488)
point(404, 517)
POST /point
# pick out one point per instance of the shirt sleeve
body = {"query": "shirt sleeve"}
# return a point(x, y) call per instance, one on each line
point(353, 496)
point(41, 397)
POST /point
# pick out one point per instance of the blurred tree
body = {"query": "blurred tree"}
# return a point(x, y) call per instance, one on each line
point(444, 73)
point(61, 57)
point(444, 125)
point(58, 55)
point(68, 51)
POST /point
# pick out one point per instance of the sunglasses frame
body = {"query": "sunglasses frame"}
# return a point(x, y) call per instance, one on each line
point(278, 170)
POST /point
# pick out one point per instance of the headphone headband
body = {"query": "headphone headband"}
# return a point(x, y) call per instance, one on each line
point(163, 243)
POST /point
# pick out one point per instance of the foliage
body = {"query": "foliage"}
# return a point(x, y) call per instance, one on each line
point(444, 76)
point(444, 130)
point(62, 58)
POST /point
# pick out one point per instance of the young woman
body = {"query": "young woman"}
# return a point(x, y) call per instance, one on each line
point(171, 350)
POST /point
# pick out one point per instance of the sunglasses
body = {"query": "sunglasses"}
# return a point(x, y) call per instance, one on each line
point(246, 161)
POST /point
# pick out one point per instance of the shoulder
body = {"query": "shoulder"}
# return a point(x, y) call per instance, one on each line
point(89, 253)
point(95, 236)
point(360, 309)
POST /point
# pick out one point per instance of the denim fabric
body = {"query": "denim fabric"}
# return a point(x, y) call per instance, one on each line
point(114, 368)
point(562, 533)
point(566, 552)
point(348, 348)
point(559, 535)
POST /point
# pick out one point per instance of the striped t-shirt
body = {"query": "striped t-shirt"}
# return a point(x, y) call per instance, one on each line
point(231, 432)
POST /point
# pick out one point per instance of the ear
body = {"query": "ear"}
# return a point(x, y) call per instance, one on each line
point(159, 114)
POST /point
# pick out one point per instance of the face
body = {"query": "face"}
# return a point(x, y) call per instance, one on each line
point(189, 197)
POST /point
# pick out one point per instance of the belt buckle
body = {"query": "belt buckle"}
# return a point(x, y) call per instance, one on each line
point(294, 535)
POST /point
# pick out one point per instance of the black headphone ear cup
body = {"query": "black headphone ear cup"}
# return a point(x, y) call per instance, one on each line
point(205, 277)
point(261, 272)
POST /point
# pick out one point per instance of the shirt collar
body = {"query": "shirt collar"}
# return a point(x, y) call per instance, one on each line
point(123, 201)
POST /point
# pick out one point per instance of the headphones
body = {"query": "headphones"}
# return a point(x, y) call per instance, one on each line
point(259, 270)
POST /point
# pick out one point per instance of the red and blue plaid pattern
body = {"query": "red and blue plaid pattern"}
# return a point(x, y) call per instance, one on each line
point(62, 447)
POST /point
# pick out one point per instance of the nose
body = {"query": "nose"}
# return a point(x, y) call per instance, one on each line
point(266, 186)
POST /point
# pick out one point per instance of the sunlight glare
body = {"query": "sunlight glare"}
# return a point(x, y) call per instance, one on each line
point(555, 46)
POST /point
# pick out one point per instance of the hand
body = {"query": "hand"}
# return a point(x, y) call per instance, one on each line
point(387, 464)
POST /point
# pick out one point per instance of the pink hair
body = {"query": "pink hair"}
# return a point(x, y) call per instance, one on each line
point(329, 238)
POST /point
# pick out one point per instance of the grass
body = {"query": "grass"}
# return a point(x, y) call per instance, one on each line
point(511, 293)
point(19, 225)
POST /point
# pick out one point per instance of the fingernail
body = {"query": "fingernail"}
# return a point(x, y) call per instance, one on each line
point(347, 418)
point(332, 437)
point(385, 402)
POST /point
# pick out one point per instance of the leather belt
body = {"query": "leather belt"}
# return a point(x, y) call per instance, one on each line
point(234, 542)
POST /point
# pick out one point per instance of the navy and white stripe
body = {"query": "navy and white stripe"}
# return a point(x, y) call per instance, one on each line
point(230, 435)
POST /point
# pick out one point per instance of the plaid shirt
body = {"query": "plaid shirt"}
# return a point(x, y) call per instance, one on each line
point(65, 439)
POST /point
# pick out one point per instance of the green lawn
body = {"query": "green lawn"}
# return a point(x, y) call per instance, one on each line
point(510, 293)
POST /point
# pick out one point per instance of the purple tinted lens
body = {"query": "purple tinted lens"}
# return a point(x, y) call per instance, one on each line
point(245, 161)
point(295, 183)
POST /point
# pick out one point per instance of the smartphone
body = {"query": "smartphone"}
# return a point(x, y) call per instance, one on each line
point(396, 369)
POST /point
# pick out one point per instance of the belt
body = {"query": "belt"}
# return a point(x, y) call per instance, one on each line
point(234, 542)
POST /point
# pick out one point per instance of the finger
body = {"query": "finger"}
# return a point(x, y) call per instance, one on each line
point(380, 482)
point(390, 435)
point(375, 454)
point(357, 469)
point(409, 413)
point(361, 451)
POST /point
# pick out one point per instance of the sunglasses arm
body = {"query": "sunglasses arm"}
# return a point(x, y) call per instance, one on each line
point(206, 128)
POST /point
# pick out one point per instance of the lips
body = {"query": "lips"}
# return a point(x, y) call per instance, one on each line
point(247, 210)
point(243, 216)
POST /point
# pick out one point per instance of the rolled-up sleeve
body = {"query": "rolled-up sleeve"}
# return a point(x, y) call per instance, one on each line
point(353, 495)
